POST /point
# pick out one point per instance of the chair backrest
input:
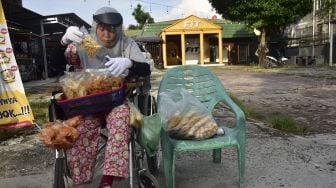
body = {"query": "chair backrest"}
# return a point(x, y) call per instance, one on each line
point(198, 80)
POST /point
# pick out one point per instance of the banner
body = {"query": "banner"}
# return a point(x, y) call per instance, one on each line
point(14, 107)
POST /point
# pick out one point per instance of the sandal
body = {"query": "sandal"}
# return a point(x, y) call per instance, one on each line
point(105, 185)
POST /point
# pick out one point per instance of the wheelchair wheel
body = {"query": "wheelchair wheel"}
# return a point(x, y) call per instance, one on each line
point(62, 177)
point(153, 105)
point(147, 104)
point(59, 173)
point(147, 180)
point(60, 170)
point(153, 164)
point(101, 154)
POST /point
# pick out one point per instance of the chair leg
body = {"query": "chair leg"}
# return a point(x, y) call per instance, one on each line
point(217, 155)
point(168, 161)
point(241, 164)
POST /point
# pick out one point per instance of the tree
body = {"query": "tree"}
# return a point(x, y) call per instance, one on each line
point(141, 16)
point(132, 27)
point(329, 8)
point(267, 16)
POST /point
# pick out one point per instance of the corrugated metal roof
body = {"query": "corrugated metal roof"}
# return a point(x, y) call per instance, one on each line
point(236, 31)
point(133, 32)
point(230, 30)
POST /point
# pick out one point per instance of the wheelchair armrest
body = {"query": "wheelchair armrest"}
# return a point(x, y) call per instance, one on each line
point(53, 93)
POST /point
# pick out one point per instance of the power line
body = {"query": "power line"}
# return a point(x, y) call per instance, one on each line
point(165, 5)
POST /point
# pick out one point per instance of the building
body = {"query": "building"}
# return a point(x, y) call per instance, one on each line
point(310, 38)
point(195, 40)
point(34, 37)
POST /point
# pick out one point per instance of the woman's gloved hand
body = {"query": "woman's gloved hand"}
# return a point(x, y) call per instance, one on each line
point(118, 66)
point(72, 34)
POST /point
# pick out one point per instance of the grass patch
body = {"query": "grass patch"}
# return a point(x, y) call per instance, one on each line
point(40, 111)
point(277, 121)
point(249, 112)
point(285, 123)
point(7, 134)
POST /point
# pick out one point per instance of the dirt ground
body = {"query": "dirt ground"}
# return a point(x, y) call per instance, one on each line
point(307, 94)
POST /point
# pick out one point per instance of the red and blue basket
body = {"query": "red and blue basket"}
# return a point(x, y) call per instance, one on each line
point(93, 104)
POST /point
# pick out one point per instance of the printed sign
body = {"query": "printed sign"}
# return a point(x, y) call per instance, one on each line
point(14, 107)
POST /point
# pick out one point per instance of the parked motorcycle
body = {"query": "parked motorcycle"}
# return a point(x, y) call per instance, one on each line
point(271, 61)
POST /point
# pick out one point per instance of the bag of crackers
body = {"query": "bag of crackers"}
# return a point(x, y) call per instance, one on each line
point(186, 117)
point(89, 92)
point(60, 134)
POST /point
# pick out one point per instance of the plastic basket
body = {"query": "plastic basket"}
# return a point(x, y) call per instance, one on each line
point(92, 104)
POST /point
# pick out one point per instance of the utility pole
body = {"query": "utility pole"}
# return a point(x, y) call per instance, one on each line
point(314, 20)
point(331, 33)
point(44, 52)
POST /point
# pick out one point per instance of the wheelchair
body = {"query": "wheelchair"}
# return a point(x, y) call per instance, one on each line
point(142, 167)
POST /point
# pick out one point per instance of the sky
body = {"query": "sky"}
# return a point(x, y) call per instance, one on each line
point(158, 9)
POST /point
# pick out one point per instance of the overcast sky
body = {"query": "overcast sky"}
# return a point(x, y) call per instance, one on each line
point(160, 10)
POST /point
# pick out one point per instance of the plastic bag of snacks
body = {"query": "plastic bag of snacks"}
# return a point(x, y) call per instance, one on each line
point(60, 134)
point(90, 92)
point(89, 82)
point(186, 117)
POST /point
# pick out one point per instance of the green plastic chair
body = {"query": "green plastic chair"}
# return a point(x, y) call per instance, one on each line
point(205, 86)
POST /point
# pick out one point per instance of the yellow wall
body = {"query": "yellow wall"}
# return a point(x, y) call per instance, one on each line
point(190, 25)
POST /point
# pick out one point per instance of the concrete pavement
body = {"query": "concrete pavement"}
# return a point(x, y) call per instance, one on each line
point(272, 160)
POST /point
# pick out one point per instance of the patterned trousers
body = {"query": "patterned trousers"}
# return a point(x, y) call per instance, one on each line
point(82, 155)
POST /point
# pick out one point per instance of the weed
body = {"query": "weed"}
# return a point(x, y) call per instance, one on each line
point(40, 111)
point(285, 123)
point(276, 120)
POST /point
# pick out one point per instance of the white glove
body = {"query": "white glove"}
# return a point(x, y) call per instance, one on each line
point(118, 66)
point(72, 34)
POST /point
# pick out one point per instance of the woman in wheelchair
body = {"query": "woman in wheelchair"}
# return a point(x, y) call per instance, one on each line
point(120, 56)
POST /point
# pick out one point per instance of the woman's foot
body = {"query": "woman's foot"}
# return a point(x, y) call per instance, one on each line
point(106, 181)
point(105, 185)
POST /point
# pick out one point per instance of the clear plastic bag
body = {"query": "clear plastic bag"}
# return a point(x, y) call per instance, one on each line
point(88, 82)
point(60, 134)
point(90, 92)
point(184, 116)
point(136, 118)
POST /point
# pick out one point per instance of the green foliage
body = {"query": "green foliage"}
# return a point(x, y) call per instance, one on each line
point(132, 27)
point(141, 16)
point(271, 15)
point(329, 7)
